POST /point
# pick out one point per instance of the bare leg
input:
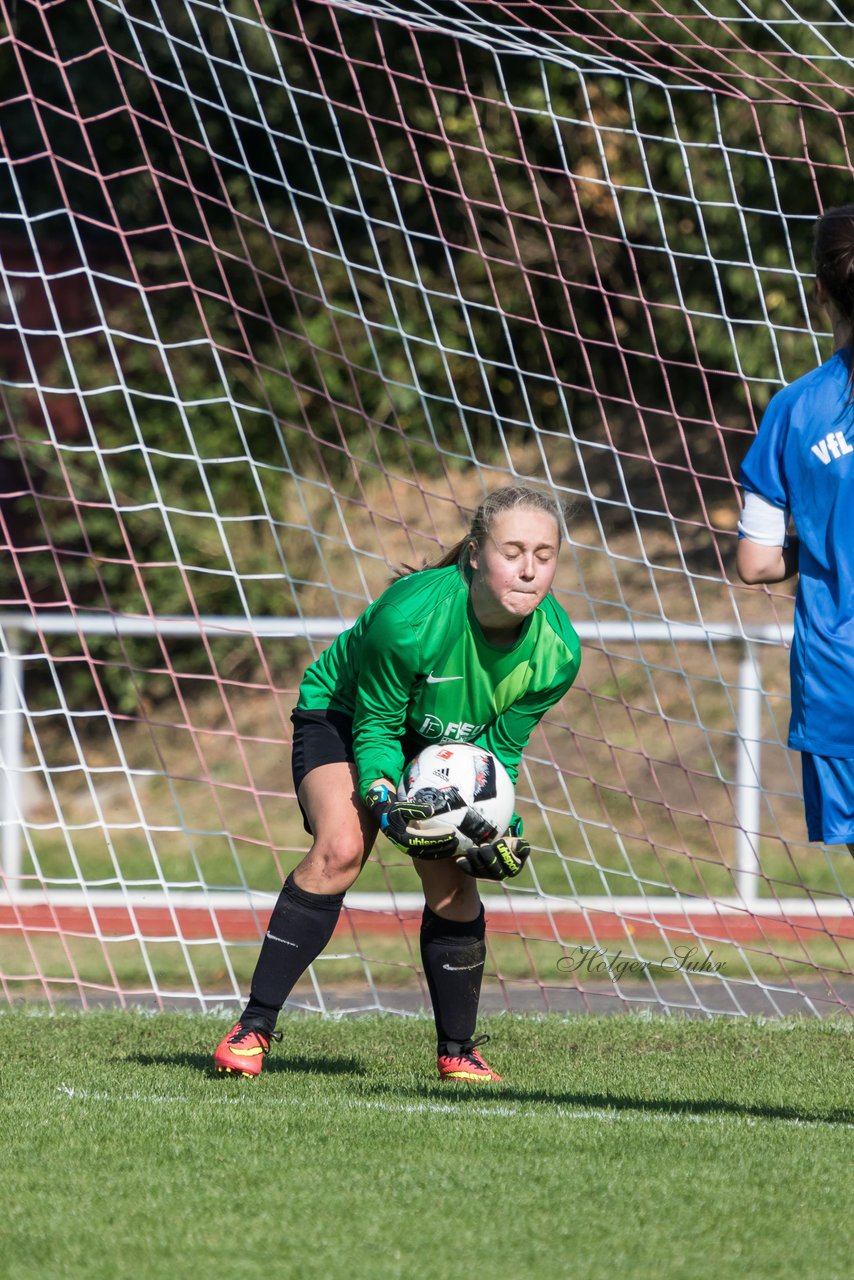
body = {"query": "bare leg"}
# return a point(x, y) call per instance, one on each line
point(449, 892)
point(344, 832)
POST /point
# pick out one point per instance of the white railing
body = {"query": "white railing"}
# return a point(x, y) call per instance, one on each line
point(748, 785)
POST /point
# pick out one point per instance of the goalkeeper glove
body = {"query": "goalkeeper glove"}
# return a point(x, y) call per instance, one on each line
point(501, 860)
point(396, 816)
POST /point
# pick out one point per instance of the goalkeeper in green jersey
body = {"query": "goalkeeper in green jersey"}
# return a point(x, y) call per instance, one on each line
point(475, 650)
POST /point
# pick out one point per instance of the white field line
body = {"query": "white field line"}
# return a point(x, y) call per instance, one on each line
point(543, 1112)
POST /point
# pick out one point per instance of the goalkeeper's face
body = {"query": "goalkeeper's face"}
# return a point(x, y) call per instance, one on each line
point(515, 565)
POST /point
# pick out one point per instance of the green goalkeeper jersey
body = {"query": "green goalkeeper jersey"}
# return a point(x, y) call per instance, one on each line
point(415, 669)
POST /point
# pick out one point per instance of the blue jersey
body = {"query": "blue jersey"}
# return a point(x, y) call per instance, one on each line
point(803, 460)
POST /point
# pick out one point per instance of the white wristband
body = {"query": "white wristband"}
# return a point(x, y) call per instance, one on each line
point(762, 522)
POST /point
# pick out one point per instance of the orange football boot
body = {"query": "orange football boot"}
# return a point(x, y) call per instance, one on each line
point(243, 1050)
point(463, 1062)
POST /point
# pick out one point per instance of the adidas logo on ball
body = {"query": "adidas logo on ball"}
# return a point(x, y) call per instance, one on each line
point(480, 778)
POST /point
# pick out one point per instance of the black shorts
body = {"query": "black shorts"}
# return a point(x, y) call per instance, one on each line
point(320, 737)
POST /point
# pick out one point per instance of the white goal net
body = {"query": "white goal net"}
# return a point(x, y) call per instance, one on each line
point(284, 290)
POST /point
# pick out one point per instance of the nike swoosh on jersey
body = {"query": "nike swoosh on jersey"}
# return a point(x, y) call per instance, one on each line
point(458, 968)
point(431, 679)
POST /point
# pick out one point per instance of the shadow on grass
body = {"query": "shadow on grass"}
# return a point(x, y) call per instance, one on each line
point(293, 1065)
point(698, 1108)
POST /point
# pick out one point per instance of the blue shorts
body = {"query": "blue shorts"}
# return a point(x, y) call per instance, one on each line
point(829, 797)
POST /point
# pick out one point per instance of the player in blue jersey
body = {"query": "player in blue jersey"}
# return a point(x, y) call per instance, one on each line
point(472, 649)
point(801, 464)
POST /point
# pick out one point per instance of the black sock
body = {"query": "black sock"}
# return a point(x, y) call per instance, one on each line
point(453, 953)
point(300, 927)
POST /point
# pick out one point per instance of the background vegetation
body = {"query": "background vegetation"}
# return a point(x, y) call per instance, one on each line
point(310, 258)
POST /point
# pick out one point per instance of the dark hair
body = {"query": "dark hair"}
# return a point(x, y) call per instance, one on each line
point(833, 256)
point(517, 497)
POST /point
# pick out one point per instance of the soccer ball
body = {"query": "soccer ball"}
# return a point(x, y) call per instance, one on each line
point(481, 780)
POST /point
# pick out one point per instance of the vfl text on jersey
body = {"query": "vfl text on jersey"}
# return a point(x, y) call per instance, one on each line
point(834, 445)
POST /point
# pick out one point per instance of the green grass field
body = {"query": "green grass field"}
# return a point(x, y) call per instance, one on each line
point(617, 1147)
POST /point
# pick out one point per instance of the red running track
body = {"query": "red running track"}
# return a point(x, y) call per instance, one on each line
point(196, 923)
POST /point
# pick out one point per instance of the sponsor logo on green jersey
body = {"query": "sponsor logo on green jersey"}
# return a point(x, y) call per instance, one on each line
point(434, 728)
